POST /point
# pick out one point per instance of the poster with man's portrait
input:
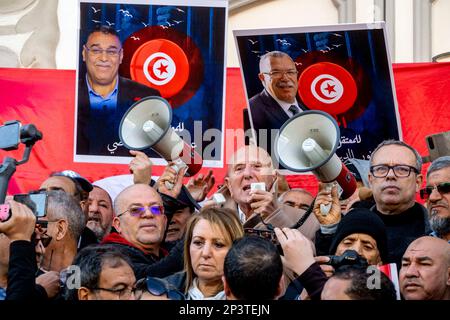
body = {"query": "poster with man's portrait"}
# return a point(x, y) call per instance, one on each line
point(130, 50)
point(343, 70)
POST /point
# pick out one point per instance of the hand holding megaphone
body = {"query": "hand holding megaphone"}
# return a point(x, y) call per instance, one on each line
point(329, 198)
point(308, 142)
point(147, 124)
point(171, 181)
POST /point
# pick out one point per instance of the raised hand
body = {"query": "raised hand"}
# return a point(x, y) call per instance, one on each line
point(140, 167)
point(200, 185)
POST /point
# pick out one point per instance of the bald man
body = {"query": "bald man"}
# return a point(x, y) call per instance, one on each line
point(425, 271)
point(140, 223)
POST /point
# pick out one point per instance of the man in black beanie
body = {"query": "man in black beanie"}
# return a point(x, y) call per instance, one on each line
point(363, 231)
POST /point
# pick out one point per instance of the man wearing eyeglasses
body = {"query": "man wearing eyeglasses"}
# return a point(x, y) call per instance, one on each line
point(395, 178)
point(277, 102)
point(437, 195)
point(104, 96)
point(140, 223)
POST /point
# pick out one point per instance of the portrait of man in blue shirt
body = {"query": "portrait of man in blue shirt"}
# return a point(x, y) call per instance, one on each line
point(103, 95)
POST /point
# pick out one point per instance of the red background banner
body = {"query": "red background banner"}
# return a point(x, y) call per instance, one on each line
point(46, 98)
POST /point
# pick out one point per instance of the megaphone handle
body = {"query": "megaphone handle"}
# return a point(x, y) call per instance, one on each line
point(178, 164)
point(325, 208)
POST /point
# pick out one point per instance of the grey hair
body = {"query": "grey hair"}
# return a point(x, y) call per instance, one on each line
point(402, 144)
point(438, 164)
point(265, 59)
point(64, 206)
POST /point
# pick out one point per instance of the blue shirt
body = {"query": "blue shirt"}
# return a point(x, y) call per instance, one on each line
point(2, 293)
point(99, 103)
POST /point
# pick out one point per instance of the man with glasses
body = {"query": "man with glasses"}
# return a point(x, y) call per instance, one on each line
point(395, 179)
point(437, 195)
point(105, 274)
point(104, 96)
point(140, 223)
point(277, 102)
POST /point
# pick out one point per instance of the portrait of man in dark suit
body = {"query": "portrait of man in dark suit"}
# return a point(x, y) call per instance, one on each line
point(103, 95)
point(278, 101)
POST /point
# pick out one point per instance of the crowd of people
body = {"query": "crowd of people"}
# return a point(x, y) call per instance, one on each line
point(145, 241)
point(149, 242)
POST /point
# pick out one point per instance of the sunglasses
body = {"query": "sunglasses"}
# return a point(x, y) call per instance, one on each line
point(139, 211)
point(157, 288)
point(442, 188)
point(266, 234)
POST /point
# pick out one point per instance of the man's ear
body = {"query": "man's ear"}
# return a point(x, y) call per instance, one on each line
point(228, 184)
point(83, 53)
point(419, 180)
point(226, 288)
point(370, 178)
point(83, 293)
point(121, 56)
point(261, 77)
point(116, 224)
point(62, 227)
point(281, 288)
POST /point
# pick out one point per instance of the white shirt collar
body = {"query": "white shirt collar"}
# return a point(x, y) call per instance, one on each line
point(285, 105)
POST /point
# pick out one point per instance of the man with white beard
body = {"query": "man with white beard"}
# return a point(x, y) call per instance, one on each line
point(437, 195)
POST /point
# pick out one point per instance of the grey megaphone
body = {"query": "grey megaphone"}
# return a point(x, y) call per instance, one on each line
point(308, 142)
point(147, 124)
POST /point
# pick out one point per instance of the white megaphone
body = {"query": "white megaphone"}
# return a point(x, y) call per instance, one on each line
point(308, 142)
point(147, 124)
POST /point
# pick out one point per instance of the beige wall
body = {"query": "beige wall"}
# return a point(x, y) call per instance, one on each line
point(291, 13)
point(277, 14)
point(440, 27)
point(287, 13)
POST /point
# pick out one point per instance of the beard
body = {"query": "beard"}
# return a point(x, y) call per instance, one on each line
point(97, 230)
point(440, 225)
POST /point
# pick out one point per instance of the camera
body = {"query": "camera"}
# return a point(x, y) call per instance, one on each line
point(348, 258)
point(36, 201)
point(267, 235)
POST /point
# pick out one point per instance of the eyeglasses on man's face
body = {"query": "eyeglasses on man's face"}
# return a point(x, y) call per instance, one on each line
point(277, 74)
point(111, 52)
point(400, 171)
point(124, 293)
point(139, 211)
point(442, 188)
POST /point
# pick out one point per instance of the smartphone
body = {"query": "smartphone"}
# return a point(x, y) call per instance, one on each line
point(258, 186)
point(10, 135)
point(36, 201)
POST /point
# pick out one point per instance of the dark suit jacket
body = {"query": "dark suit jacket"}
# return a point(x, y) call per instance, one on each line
point(97, 129)
point(266, 113)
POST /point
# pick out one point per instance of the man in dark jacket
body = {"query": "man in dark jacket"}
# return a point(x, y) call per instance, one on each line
point(278, 102)
point(103, 96)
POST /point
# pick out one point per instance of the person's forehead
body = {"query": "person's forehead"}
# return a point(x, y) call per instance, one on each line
point(121, 273)
point(59, 181)
point(103, 39)
point(250, 155)
point(395, 154)
point(205, 228)
point(439, 176)
point(141, 194)
point(99, 194)
point(361, 236)
point(298, 196)
point(281, 61)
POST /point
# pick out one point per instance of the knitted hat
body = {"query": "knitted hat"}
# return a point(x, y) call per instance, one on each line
point(361, 220)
